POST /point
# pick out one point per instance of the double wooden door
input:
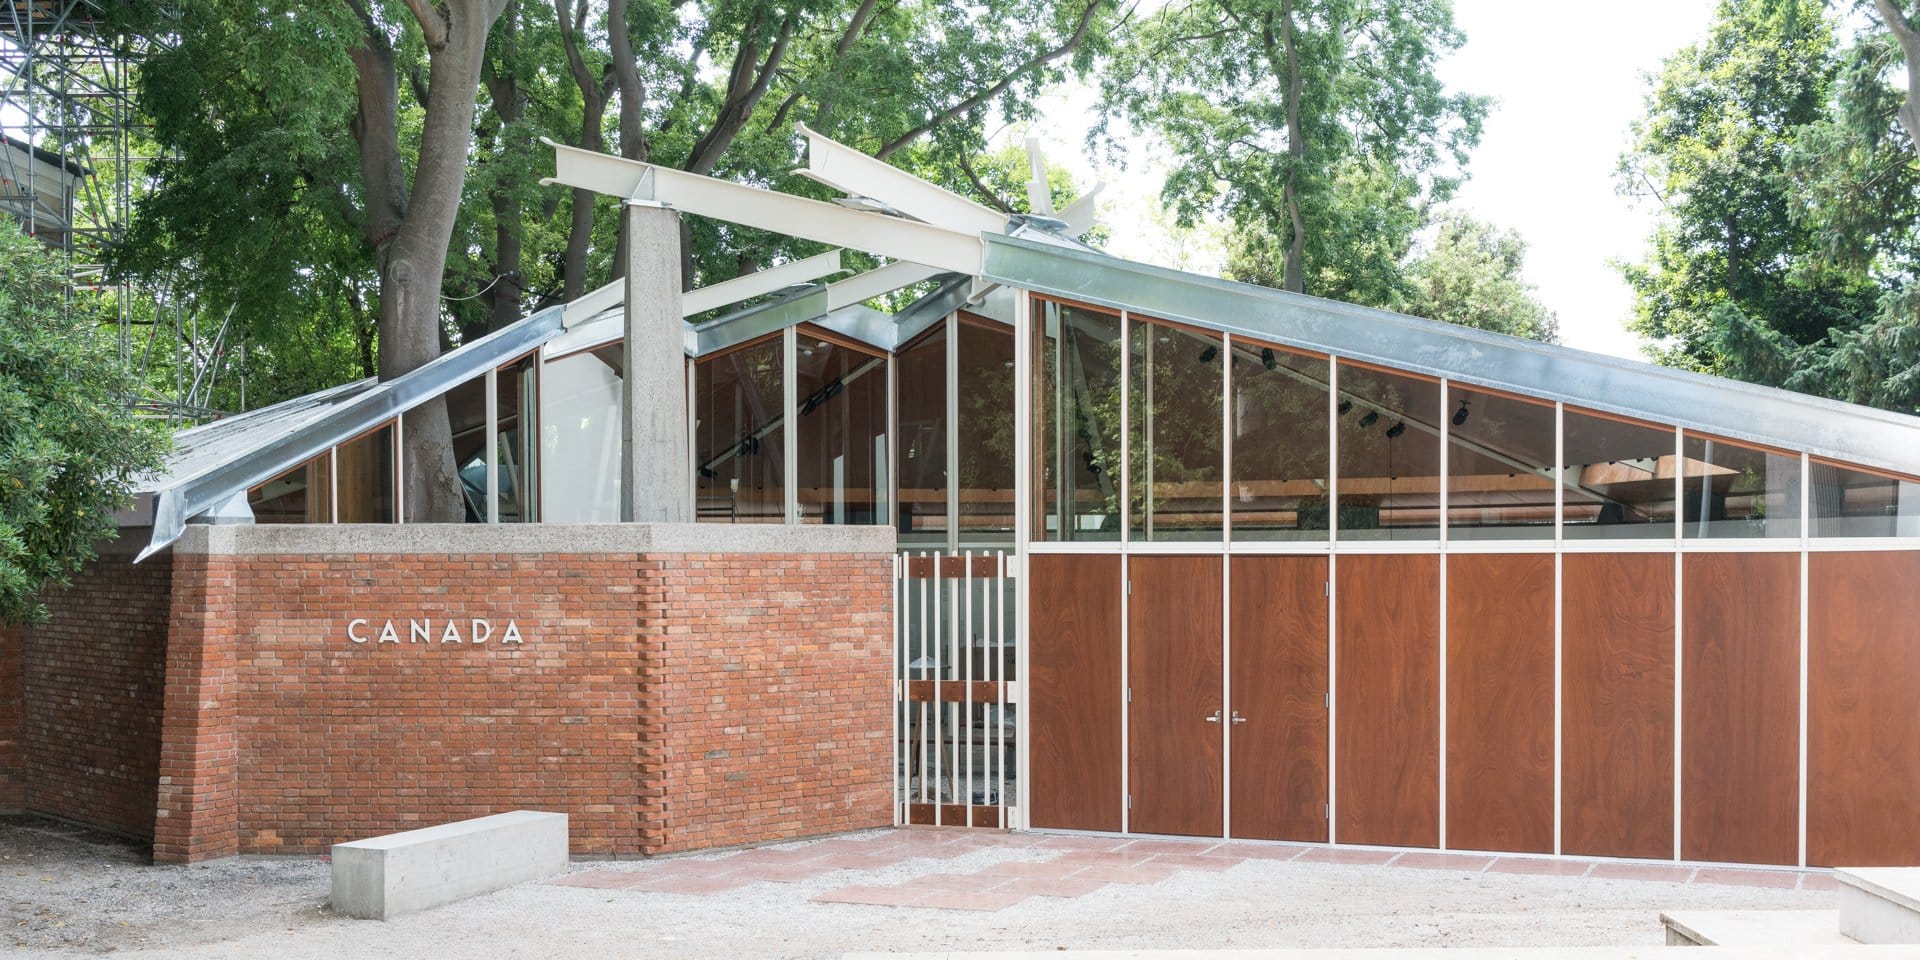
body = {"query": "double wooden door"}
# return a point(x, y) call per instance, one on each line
point(1223, 703)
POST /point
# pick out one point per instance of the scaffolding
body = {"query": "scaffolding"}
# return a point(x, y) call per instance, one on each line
point(72, 166)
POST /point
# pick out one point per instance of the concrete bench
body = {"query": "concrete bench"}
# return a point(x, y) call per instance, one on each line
point(400, 873)
point(1880, 904)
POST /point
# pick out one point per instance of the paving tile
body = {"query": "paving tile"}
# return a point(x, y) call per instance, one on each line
point(1257, 851)
point(988, 902)
point(1113, 858)
point(1541, 867)
point(598, 879)
point(1064, 887)
point(876, 896)
point(781, 872)
point(688, 868)
point(849, 861)
point(1735, 877)
point(1466, 863)
point(1143, 873)
point(1818, 881)
point(1192, 862)
point(1641, 871)
point(1177, 847)
point(1052, 869)
point(1346, 855)
point(691, 886)
point(1096, 844)
point(963, 882)
point(768, 856)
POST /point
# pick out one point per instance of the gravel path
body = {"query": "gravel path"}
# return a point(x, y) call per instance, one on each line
point(64, 892)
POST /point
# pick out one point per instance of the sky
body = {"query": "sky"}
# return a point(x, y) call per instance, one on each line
point(1568, 80)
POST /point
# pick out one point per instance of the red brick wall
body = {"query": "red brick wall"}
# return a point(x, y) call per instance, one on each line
point(773, 701)
point(13, 782)
point(89, 706)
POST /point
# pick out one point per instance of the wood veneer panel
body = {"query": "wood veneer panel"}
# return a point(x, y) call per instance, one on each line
point(1387, 700)
point(1616, 706)
point(1174, 646)
point(1278, 658)
point(1500, 702)
point(1740, 708)
point(1074, 686)
point(1863, 709)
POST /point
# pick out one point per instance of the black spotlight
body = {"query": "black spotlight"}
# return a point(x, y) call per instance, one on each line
point(1394, 432)
point(1372, 417)
point(1460, 415)
point(1207, 355)
point(1345, 405)
point(1266, 358)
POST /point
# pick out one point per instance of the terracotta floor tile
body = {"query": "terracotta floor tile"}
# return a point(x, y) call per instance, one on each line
point(1190, 862)
point(1065, 887)
point(850, 861)
point(1466, 863)
point(1144, 873)
point(1734, 877)
point(1023, 868)
point(962, 882)
point(1093, 858)
point(690, 886)
point(598, 879)
point(1257, 851)
point(688, 868)
point(781, 872)
point(1346, 855)
point(1096, 844)
point(1640, 871)
point(1818, 881)
point(875, 896)
point(988, 902)
point(1540, 867)
point(1190, 848)
point(769, 857)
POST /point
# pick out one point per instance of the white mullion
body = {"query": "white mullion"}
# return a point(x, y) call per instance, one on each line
point(1333, 595)
point(493, 444)
point(789, 425)
point(900, 754)
point(1559, 615)
point(952, 401)
point(1446, 450)
point(1126, 573)
point(399, 472)
point(929, 764)
point(1679, 623)
point(1806, 524)
point(333, 480)
point(1226, 586)
point(1026, 500)
point(963, 640)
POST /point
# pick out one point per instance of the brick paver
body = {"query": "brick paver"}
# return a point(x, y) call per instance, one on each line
point(1773, 879)
point(988, 902)
point(1541, 867)
point(1444, 861)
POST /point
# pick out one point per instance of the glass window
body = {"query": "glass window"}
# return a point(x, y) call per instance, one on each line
point(581, 413)
point(1174, 405)
point(1499, 466)
point(1851, 502)
point(738, 458)
point(1619, 477)
point(1733, 490)
point(365, 477)
point(922, 413)
point(1280, 442)
point(1077, 443)
point(985, 422)
point(517, 447)
point(1389, 483)
point(841, 393)
point(301, 495)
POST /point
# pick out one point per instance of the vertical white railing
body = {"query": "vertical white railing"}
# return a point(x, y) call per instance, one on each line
point(955, 750)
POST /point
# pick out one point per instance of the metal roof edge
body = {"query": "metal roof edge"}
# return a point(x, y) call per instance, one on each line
point(1728, 408)
point(190, 496)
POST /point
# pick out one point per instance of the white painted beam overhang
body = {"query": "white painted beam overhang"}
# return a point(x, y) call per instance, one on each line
point(895, 237)
point(857, 175)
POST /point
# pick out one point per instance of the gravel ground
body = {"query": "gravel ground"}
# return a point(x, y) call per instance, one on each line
point(65, 892)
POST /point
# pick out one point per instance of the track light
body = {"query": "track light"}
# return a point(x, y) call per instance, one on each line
point(1372, 417)
point(1394, 432)
point(1266, 358)
point(1207, 355)
point(1460, 415)
point(1345, 406)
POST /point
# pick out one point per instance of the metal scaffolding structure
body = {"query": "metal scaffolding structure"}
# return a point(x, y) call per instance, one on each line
point(72, 166)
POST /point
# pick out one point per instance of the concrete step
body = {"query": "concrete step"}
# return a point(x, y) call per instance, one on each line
point(1880, 904)
point(1754, 928)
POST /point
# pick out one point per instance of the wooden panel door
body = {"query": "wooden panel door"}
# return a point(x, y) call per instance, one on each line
point(1387, 700)
point(1073, 692)
point(1277, 657)
point(1740, 708)
point(1500, 702)
point(1616, 705)
point(1863, 671)
point(1174, 646)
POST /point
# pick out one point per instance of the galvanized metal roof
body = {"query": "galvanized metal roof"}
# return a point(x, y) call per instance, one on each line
point(1715, 405)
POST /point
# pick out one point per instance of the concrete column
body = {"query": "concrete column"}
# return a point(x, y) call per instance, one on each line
point(656, 469)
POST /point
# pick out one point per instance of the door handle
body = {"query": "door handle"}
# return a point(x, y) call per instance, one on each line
point(1237, 718)
point(1215, 718)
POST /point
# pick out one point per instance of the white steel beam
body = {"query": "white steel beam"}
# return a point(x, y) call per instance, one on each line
point(592, 303)
point(759, 283)
point(854, 173)
point(879, 281)
point(780, 213)
point(1080, 215)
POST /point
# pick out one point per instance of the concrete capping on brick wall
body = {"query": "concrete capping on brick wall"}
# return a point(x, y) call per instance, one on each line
point(521, 538)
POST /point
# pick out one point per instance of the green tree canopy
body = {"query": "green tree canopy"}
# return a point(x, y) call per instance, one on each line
point(1470, 275)
point(70, 446)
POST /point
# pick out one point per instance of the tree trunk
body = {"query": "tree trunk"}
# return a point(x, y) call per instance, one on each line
point(509, 107)
point(1896, 20)
point(633, 101)
point(593, 99)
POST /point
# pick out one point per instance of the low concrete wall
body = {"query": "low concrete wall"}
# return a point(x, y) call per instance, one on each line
point(403, 873)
